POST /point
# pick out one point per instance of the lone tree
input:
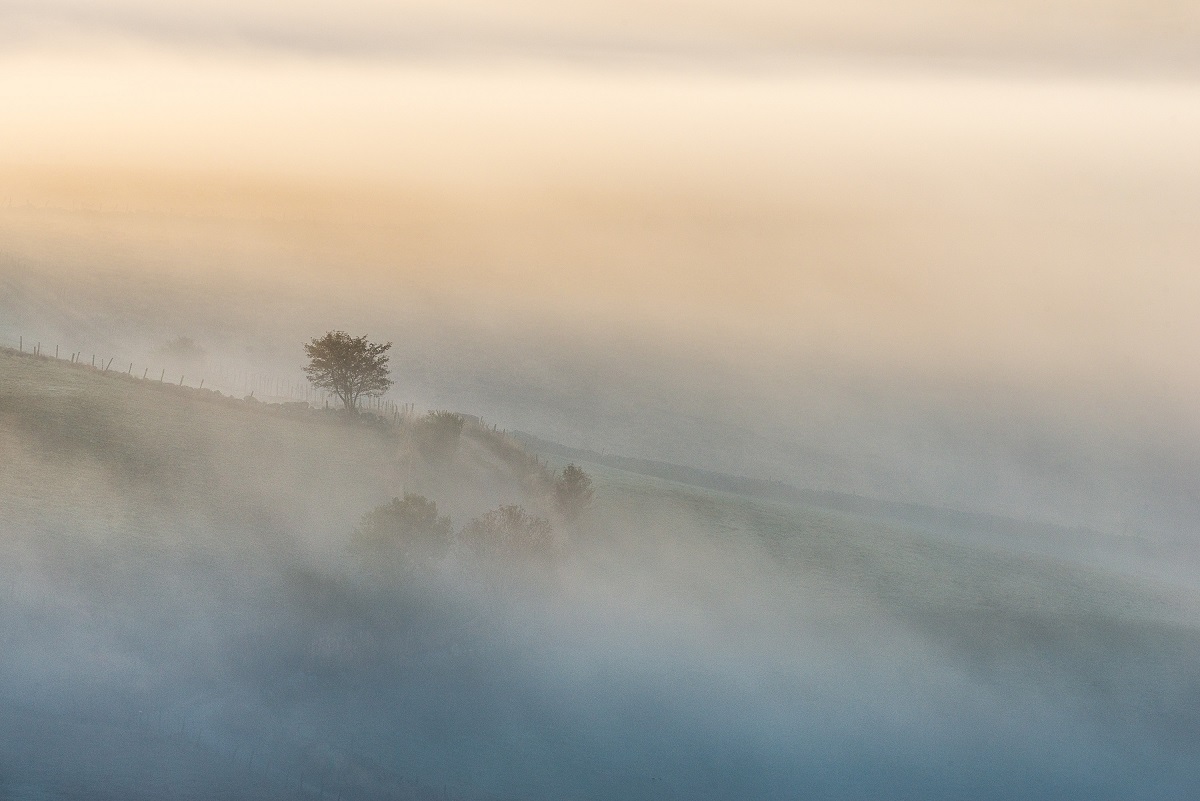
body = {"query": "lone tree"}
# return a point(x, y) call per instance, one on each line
point(347, 366)
point(572, 492)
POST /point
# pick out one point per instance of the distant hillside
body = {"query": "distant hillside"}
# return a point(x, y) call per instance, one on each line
point(187, 438)
point(917, 515)
point(186, 612)
point(183, 613)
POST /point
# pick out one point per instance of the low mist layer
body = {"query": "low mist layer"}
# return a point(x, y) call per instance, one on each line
point(189, 610)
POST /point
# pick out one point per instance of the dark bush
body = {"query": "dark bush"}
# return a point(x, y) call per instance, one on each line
point(510, 532)
point(437, 436)
point(408, 531)
point(573, 492)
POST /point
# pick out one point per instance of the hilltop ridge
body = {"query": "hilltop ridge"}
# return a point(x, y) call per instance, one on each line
point(217, 452)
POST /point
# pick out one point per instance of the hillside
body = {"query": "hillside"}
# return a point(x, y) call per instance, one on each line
point(184, 612)
point(282, 464)
point(171, 555)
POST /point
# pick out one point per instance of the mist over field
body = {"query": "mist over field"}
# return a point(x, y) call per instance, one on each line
point(871, 325)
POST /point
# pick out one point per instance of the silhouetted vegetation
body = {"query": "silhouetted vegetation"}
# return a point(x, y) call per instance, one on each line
point(349, 367)
point(437, 436)
point(573, 492)
point(510, 532)
point(407, 530)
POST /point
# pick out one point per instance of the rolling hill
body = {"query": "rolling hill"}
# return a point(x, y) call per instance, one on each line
point(183, 613)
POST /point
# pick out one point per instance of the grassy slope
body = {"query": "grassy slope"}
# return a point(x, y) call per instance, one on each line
point(166, 506)
point(1110, 647)
point(293, 468)
point(169, 559)
point(307, 472)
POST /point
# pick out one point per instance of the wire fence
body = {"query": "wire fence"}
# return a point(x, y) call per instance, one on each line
point(237, 382)
point(278, 760)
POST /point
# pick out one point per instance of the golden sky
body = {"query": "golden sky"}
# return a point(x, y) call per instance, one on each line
point(1012, 188)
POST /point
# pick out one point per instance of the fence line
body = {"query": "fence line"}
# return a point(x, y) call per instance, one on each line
point(234, 382)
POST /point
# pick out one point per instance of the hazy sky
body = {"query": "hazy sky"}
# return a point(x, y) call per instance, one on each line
point(1017, 217)
point(927, 189)
point(1105, 30)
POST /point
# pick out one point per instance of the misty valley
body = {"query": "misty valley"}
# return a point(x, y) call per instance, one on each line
point(614, 400)
point(210, 597)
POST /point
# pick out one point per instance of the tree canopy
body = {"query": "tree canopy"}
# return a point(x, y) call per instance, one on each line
point(572, 492)
point(347, 366)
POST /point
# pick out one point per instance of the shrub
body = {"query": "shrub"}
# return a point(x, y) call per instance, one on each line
point(510, 532)
point(437, 436)
point(573, 492)
point(409, 530)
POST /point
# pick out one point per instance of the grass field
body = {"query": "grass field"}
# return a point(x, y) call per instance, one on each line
point(183, 616)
